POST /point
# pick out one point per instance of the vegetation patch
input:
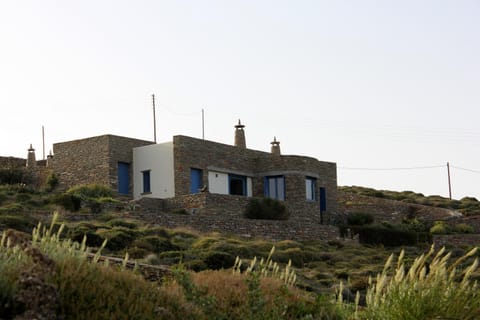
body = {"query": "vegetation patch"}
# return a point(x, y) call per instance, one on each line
point(266, 208)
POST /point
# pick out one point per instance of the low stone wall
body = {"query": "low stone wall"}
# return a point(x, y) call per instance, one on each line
point(389, 210)
point(456, 240)
point(208, 212)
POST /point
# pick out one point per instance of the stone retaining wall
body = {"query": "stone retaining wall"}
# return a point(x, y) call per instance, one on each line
point(456, 240)
point(389, 210)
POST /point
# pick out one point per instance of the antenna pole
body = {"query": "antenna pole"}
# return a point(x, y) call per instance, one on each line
point(449, 182)
point(154, 120)
point(43, 142)
point(203, 124)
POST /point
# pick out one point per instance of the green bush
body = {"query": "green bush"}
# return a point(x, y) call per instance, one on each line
point(90, 191)
point(23, 197)
point(218, 260)
point(359, 219)
point(463, 228)
point(389, 236)
point(155, 244)
point(51, 183)
point(68, 201)
point(11, 208)
point(440, 227)
point(266, 208)
point(14, 176)
point(18, 222)
point(118, 238)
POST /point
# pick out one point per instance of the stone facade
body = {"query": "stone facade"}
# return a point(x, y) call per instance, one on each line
point(12, 162)
point(93, 160)
point(211, 156)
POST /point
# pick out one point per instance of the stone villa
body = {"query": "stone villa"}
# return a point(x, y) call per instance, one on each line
point(203, 177)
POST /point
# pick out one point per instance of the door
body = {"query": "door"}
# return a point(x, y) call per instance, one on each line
point(323, 202)
point(123, 178)
point(195, 180)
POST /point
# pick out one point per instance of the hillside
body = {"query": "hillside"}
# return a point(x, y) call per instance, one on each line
point(468, 205)
point(320, 266)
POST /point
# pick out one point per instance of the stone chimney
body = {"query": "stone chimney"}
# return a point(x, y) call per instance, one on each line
point(275, 150)
point(31, 161)
point(50, 159)
point(240, 136)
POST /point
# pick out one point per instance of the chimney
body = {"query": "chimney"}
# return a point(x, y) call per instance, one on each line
point(275, 150)
point(50, 159)
point(240, 136)
point(31, 161)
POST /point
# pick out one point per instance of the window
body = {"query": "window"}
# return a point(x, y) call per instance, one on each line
point(275, 187)
point(237, 185)
point(146, 181)
point(310, 187)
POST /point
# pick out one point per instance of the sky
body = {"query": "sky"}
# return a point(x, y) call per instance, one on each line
point(389, 90)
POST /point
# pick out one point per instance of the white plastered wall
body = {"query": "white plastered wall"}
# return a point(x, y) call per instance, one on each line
point(217, 182)
point(158, 158)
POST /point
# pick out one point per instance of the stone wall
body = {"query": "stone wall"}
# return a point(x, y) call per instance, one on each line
point(224, 213)
point(211, 156)
point(12, 162)
point(389, 210)
point(456, 240)
point(93, 160)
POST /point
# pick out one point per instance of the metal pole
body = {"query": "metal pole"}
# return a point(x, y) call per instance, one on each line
point(154, 120)
point(203, 124)
point(449, 182)
point(43, 142)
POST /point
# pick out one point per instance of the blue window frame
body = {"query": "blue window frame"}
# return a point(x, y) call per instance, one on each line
point(146, 181)
point(310, 188)
point(237, 185)
point(275, 187)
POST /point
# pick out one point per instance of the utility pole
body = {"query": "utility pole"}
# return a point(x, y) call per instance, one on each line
point(43, 142)
point(203, 124)
point(449, 182)
point(154, 120)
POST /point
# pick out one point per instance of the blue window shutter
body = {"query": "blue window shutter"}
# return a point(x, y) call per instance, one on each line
point(146, 181)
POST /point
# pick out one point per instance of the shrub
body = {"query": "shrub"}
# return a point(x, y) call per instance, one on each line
point(89, 191)
point(18, 222)
point(11, 208)
point(389, 236)
point(266, 208)
point(155, 244)
point(463, 228)
point(359, 219)
point(13, 176)
point(218, 260)
point(440, 227)
point(51, 183)
point(118, 238)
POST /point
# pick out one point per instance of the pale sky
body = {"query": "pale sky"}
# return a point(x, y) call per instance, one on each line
point(365, 84)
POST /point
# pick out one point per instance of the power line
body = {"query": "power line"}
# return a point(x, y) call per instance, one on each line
point(465, 169)
point(393, 169)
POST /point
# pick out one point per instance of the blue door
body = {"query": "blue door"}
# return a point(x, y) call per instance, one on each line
point(123, 178)
point(323, 202)
point(195, 180)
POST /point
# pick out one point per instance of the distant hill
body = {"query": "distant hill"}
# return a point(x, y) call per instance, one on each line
point(468, 205)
